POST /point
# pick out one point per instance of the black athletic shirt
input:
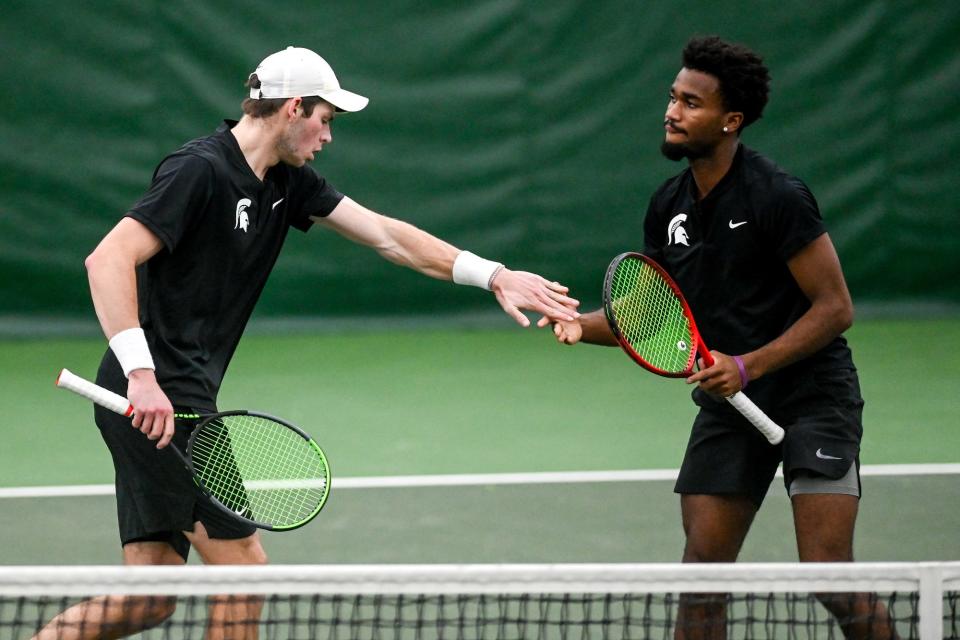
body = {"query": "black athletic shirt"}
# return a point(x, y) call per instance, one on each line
point(729, 255)
point(223, 229)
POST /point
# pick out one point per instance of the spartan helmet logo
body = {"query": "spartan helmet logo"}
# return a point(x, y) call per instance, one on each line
point(676, 234)
point(242, 220)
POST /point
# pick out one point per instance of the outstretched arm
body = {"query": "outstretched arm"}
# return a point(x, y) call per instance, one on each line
point(406, 245)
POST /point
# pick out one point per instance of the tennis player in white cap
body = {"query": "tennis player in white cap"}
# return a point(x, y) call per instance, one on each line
point(173, 285)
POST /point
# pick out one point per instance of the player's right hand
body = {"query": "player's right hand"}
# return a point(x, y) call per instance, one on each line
point(152, 410)
point(522, 290)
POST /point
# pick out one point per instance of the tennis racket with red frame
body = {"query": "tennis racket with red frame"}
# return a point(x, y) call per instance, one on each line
point(654, 325)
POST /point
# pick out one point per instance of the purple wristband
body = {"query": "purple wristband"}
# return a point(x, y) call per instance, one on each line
point(744, 378)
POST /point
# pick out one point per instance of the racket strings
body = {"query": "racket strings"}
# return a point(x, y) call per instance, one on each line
point(217, 469)
point(274, 471)
point(261, 469)
point(650, 316)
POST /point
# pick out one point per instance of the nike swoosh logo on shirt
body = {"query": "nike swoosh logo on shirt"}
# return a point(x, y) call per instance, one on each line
point(734, 225)
point(276, 203)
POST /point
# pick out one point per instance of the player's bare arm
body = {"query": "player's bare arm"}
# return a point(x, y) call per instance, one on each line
point(111, 271)
point(816, 269)
point(406, 245)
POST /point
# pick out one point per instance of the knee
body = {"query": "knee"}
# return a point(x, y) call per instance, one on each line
point(837, 552)
point(707, 549)
point(253, 552)
point(259, 556)
point(155, 610)
point(715, 526)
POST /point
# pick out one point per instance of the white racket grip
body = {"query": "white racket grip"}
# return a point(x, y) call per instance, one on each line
point(770, 429)
point(103, 397)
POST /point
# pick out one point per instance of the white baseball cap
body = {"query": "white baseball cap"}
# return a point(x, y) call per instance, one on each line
point(298, 72)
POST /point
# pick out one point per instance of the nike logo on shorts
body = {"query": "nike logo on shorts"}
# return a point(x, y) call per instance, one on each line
point(823, 456)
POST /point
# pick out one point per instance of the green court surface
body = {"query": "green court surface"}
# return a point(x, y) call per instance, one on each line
point(422, 402)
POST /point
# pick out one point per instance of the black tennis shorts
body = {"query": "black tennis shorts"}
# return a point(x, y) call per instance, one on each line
point(822, 418)
point(156, 497)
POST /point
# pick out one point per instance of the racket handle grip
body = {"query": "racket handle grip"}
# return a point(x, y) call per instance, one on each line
point(770, 429)
point(96, 393)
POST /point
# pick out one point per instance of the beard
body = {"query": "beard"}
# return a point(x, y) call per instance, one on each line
point(287, 147)
point(677, 151)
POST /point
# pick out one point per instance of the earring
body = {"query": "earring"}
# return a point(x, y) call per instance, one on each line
point(725, 129)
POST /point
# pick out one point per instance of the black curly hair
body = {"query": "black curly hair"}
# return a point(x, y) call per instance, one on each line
point(744, 80)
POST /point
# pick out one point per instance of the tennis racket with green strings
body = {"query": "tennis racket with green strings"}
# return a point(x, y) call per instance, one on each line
point(253, 466)
point(654, 325)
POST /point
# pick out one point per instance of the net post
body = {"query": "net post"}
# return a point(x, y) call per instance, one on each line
point(931, 602)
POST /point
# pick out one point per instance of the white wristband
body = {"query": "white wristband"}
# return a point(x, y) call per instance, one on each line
point(475, 271)
point(130, 347)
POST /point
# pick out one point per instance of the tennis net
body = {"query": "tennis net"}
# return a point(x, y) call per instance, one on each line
point(291, 602)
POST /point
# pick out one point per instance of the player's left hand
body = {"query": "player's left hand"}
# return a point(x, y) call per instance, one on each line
point(521, 290)
point(721, 380)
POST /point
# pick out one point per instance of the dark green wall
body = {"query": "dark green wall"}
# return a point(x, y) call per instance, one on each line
point(524, 131)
